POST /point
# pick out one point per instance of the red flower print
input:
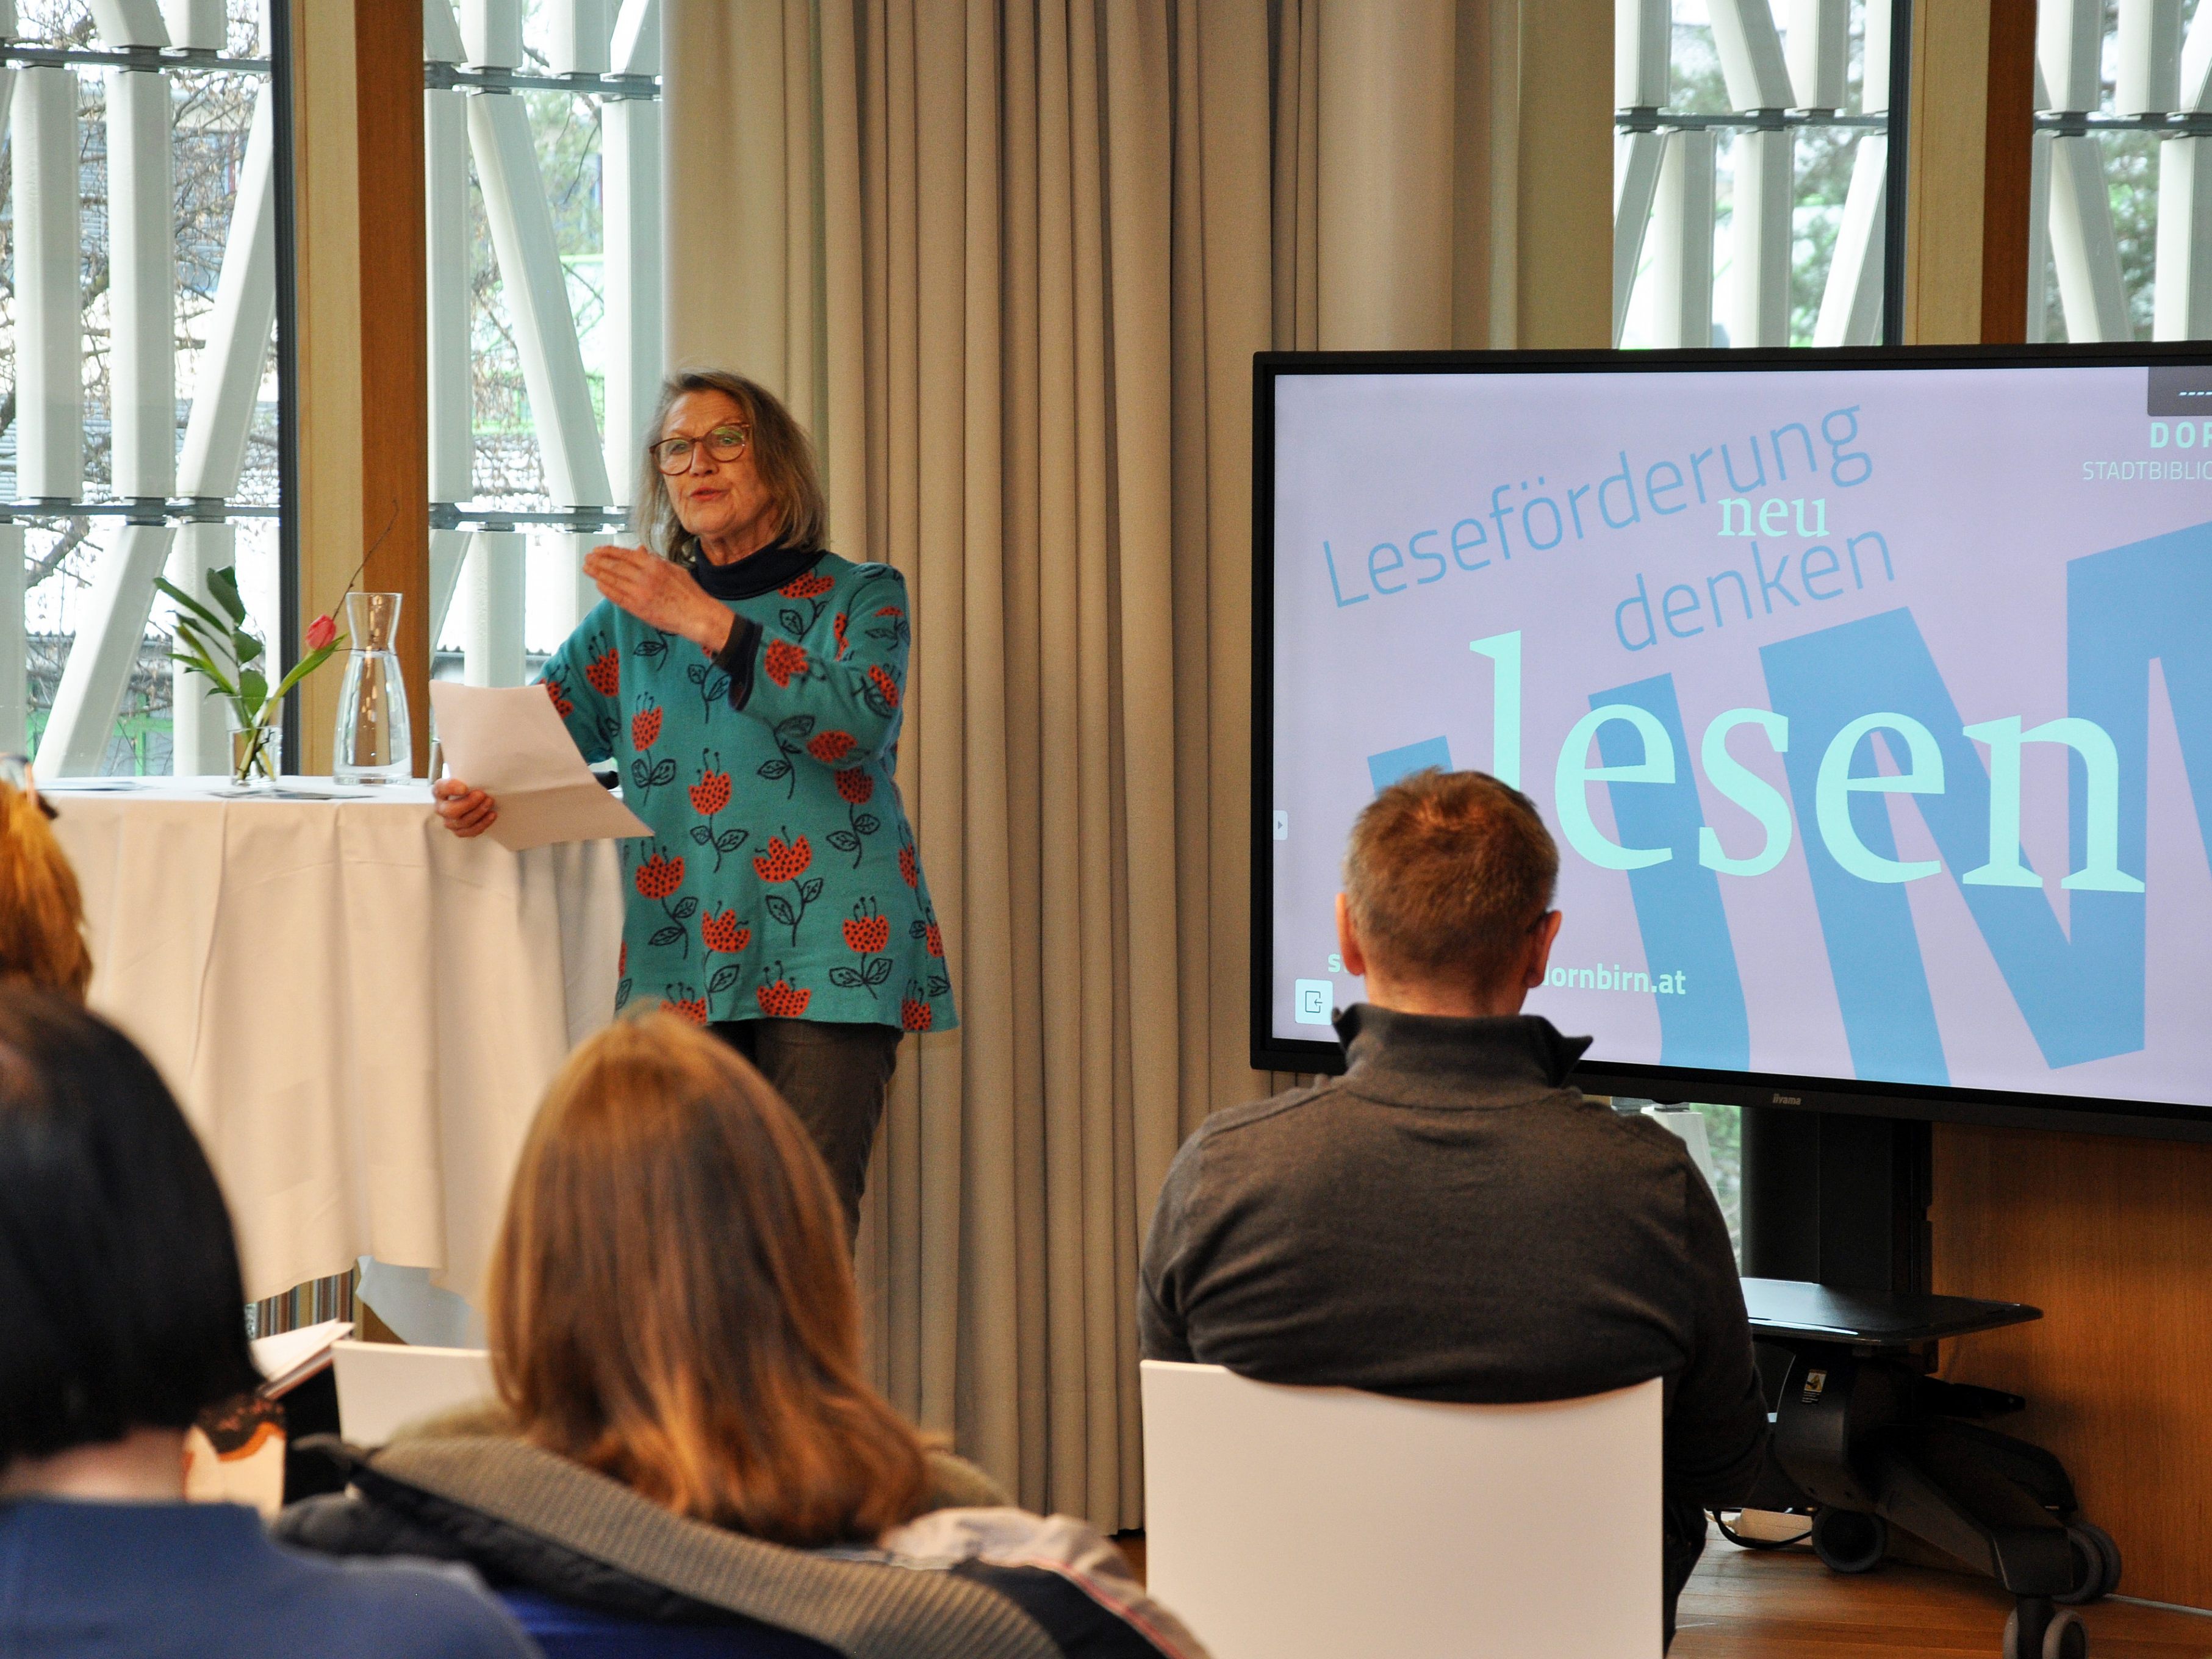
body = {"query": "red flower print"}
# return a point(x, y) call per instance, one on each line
point(561, 706)
point(606, 672)
point(711, 794)
point(783, 660)
point(645, 726)
point(722, 934)
point(867, 932)
point(782, 1000)
point(915, 1015)
point(891, 611)
point(909, 867)
point(840, 626)
point(935, 939)
point(660, 876)
point(621, 960)
point(784, 861)
point(809, 587)
point(855, 786)
point(830, 747)
point(691, 1008)
point(886, 687)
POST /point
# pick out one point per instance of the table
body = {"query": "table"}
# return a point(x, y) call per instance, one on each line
point(358, 1012)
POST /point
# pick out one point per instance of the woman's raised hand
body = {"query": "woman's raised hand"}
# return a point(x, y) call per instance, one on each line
point(467, 811)
point(660, 594)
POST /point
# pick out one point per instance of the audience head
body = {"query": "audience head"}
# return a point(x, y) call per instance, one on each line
point(121, 1308)
point(1447, 884)
point(672, 1303)
point(777, 452)
point(41, 915)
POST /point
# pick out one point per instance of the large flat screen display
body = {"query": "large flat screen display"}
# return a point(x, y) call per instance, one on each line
point(1868, 699)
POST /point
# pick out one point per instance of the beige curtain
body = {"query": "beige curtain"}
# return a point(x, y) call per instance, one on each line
point(1010, 260)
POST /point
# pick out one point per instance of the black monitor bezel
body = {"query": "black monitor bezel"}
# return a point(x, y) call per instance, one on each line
point(2160, 1120)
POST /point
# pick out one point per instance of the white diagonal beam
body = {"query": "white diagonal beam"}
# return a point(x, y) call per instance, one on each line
point(15, 699)
point(631, 197)
point(577, 37)
point(1641, 31)
point(2039, 233)
point(494, 581)
point(1636, 185)
point(2194, 93)
point(200, 729)
point(441, 35)
point(239, 330)
point(141, 287)
point(2069, 38)
point(535, 289)
point(1818, 50)
point(449, 552)
point(1850, 304)
point(445, 198)
point(1751, 54)
point(129, 23)
point(2082, 244)
point(1759, 236)
point(2181, 293)
point(49, 322)
point(198, 24)
point(2149, 81)
point(492, 31)
point(109, 631)
point(1682, 255)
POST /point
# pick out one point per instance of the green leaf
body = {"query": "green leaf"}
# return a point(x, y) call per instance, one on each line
point(211, 644)
point(245, 644)
point(187, 600)
point(307, 665)
point(253, 687)
point(223, 585)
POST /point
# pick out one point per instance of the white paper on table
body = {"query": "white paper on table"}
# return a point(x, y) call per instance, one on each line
point(510, 743)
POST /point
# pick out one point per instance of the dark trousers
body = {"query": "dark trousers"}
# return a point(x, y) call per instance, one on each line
point(834, 1075)
point(1682, 1530)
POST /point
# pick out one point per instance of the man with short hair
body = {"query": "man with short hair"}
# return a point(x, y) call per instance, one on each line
point(1448, 1221)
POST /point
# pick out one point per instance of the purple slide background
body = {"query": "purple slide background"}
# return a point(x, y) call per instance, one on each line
point(1977, 485)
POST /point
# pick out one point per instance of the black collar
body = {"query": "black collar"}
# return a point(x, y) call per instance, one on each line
point(756, 573)
point(1432, 1060)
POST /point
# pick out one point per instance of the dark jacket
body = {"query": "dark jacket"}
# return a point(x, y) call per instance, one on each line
point(1004, 1585)
point(1449, 1221)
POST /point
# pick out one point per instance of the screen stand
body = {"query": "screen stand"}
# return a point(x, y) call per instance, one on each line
point(1836, 1200)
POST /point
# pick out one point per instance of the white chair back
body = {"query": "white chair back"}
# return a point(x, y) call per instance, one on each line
point(382, 1385)
point(1289, 1523)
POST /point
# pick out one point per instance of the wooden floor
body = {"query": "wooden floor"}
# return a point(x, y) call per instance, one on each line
point(1742, 1604)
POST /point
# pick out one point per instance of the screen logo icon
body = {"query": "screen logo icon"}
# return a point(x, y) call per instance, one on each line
point(1313, 1001)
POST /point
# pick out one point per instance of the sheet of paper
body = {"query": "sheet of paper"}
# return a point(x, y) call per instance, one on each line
point(510, 743)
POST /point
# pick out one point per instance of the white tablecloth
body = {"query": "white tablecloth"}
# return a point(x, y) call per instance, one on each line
point(358, 1012)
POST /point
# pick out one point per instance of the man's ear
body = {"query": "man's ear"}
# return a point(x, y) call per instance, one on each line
point(1540, 949)
point(1347, 942)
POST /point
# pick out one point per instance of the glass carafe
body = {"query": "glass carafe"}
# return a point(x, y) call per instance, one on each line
point(375, 744)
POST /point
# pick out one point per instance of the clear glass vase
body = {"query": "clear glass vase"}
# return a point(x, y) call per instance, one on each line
point(374, 743)
point(255, 753)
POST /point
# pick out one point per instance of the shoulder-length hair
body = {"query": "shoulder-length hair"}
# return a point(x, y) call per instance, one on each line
point(671, 1301)
point(120, 1303)
point(781, 452)
point(41, 912)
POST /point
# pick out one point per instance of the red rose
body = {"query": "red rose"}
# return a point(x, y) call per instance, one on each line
point(723, 934)
point(711, 794)
point(320, 633)
point(886, 687)
point(806, 588)
point(830, 747)
point(604, 673)
point(867, 934)
point(784, 861)
point(935, 939)
point(855, 786)
point(916, 1016)
point(782, 999)
point(783, 660)
point(645, 727)
point(660, 876)
point(909, 867)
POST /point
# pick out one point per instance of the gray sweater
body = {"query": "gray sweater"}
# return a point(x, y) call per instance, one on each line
point(1448, 1221)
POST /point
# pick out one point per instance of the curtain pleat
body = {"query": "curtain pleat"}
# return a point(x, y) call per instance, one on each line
point(1010, 260)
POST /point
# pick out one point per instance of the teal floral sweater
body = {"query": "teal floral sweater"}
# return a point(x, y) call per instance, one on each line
point(782, 879)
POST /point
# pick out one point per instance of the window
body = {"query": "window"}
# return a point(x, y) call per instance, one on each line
point(2120, 226)
point(1753, 172)
point(542, 141)
point(138, 422)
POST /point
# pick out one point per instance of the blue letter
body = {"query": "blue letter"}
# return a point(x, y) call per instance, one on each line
point(1746, 789)
point(1329, 558)
point(1574, 775)
point(1832, 797)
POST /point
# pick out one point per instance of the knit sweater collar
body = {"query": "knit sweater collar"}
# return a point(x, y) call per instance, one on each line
point(756, 573)
point(1432, 1060)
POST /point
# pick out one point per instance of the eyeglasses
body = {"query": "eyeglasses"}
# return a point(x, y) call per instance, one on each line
point(15, 773)
point(724, 443)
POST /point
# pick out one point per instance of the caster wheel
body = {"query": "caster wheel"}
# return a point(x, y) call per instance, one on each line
point(2098, 1558)
point(2061, 1635)
point(1849, 1541)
